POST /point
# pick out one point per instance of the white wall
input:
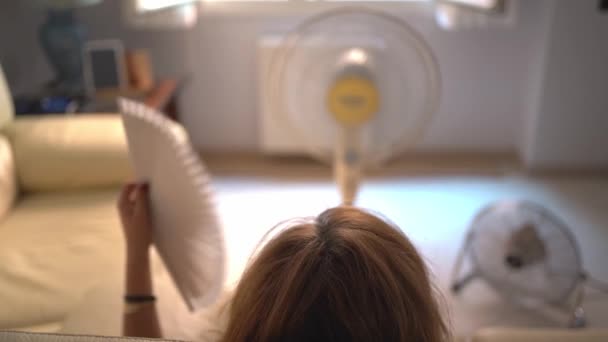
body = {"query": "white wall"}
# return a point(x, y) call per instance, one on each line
point(169, 49)
point(571, 124)
point(20, 52)
point(485, 75)
point(537, 87)
point(27, 68)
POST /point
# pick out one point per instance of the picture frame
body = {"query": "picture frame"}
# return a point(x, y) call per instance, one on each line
point(104, 66)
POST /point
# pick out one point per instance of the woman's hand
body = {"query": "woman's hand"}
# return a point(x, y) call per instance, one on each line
point(133, 207)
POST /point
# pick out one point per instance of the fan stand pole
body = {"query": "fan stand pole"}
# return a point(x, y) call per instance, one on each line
point(348, 163)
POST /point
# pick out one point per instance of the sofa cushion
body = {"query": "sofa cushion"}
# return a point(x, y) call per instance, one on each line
point(33, 337)
point(499, 334)
point(8, 182)
point(69, 152)
point(7, 112)
point(54, 249)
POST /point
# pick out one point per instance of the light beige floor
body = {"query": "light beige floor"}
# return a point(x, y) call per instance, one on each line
point(434, 211)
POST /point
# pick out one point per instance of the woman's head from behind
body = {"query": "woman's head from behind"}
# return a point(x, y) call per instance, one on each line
point(347, 276)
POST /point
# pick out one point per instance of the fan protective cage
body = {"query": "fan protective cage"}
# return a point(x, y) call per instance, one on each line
point(404, 69)
point(552, 280)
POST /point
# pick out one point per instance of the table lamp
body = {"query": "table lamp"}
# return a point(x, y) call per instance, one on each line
point(62, 39)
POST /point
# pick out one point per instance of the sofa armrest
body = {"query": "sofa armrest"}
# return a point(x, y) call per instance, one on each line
point(8, 180)
point(540, 335)
point(15, 336)
point(60, 152)
point(7, 111)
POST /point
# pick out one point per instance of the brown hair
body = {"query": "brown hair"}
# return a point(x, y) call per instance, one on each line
point(348, 276)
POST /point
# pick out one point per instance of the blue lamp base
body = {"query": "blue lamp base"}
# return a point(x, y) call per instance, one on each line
point(62, 39)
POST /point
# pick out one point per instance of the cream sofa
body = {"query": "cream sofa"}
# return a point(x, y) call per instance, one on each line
point(60, 236)
point(36, 337)
point(61, 247)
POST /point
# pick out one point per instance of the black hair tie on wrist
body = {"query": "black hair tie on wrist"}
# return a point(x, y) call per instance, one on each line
point(133, 299)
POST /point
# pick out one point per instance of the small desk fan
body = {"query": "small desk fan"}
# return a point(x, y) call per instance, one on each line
point(358, 86)
point(527, 254)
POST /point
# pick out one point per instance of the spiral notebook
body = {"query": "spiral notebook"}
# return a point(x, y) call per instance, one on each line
point(187, 229)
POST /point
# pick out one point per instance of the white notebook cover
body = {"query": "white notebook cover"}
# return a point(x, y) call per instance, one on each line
point(187, 230)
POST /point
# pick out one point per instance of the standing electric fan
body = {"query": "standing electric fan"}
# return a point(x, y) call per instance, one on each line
point(358, 86)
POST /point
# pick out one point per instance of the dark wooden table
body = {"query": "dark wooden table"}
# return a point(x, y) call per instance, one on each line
point(162, 97)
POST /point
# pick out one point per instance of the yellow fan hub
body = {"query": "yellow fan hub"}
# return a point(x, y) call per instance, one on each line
point(353, 100)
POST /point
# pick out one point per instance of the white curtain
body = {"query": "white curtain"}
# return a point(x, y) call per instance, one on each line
point(161, 14)
point(472, 14)
point(449, 14)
